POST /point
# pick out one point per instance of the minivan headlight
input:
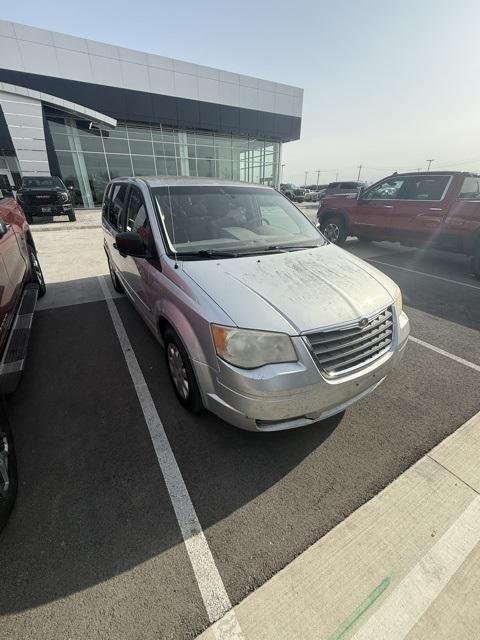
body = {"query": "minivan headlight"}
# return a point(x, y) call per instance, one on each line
point(249, 349)
point(398, 303)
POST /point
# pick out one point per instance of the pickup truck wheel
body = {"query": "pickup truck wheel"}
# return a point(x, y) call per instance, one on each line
point(8, 471)
point(475, 262)
point(333, 228)
point(181, 373)
point(37, 273)
point(117, 285)
point(71, 216)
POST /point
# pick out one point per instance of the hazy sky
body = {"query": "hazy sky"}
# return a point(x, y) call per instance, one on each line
point(387, 84)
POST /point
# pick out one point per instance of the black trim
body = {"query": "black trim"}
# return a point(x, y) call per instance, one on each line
point(51, 154)
point(141, 106)
point(6, 143)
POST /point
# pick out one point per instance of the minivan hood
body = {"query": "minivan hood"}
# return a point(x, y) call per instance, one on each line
point(296, 291)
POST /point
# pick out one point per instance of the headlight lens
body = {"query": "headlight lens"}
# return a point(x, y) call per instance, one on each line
point(64, 196)
point(250, 349)
point(398, 303)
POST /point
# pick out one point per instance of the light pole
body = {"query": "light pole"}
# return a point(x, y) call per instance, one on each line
point(430, 162)
point(359, 172)
point(306, 176)
point(318, 177)
point(336, 177)
point(281, 173)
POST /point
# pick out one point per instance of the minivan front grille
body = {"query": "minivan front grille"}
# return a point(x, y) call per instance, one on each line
point(339, 350)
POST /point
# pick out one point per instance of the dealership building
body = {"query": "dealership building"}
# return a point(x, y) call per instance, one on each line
point(89, 111)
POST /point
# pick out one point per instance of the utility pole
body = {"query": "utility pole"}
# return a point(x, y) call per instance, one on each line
point(306, 176)
point(359, 172)
point(430, 162)
point(336, 177)
point(318, 177)
point(281, 173)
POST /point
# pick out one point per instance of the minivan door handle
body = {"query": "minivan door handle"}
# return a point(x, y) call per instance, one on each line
point(435, 208)
point(388, 206)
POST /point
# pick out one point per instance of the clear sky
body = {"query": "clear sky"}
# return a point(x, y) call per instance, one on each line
point(387, 84)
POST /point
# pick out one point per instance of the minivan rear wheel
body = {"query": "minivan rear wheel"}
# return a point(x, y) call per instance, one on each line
point(181, 373)
point(333, 228)
point(475, 262)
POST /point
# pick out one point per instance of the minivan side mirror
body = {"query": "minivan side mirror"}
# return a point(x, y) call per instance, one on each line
point(129, 243)
point(360, 193)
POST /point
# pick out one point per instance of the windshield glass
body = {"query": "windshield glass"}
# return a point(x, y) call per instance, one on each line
point(245, 219)
point(47, 182)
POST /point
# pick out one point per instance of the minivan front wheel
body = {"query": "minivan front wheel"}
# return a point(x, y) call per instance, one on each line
point(475, 262)
point(181, 373)
point(333, 228)
point(115, 281)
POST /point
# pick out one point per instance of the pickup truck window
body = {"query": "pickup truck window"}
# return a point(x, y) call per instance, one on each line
point(386, 190)
point(427, 187)
point(470, 188)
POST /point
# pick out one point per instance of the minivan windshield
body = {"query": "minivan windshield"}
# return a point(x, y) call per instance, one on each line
point(208, 220)
point(42, 182)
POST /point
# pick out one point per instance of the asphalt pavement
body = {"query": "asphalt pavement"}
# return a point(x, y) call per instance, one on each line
point(93, 548)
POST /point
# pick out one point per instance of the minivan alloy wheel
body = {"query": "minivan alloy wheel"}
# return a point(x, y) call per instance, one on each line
point(178, 371)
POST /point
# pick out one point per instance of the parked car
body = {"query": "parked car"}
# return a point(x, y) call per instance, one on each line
point(298, 195)
point(438, 208)
point(344, 188)
point(21, 281)
point(264, 322)
point(288, 190)
point(315, 196)
point(45, 196)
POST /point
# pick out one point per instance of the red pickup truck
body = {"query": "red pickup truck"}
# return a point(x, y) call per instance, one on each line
point(440, 209)
point(21, 282)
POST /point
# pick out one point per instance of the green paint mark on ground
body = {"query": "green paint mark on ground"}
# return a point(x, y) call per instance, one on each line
point(361, 609)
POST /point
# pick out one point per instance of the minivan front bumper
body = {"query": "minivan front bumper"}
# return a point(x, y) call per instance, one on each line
point(290, 395)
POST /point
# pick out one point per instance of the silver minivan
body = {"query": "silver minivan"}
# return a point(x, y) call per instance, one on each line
point(263, 321)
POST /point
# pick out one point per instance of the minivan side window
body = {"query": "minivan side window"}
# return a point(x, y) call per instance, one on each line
point(470, 188)
point(115, 207)
point(137, 218)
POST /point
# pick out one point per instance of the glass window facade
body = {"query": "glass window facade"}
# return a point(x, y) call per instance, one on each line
point(89, 158)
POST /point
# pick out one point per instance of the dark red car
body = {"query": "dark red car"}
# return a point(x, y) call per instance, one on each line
point(438, 208)
point(21, 282)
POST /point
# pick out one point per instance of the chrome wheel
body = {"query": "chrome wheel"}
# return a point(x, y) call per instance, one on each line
point(331, 231)
point(37, 269)
point(178, 371)
point(4, 453)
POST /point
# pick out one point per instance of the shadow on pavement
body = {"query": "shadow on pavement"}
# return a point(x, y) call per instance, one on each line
point(92, 503)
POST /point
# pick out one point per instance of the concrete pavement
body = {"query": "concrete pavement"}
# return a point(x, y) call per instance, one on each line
point(404, 565)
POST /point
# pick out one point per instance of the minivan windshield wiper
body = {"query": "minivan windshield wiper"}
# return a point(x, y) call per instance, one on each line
point(206, 253)
point(292, 247)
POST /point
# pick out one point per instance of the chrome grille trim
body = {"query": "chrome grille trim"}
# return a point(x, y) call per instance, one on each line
point(338, 351)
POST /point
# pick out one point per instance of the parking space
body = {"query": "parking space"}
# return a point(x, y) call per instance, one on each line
point(94, 549)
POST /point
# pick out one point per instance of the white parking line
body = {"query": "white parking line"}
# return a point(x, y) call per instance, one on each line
point(467, 363)
point(210, 583)
point(422, 273)
point(418, 590)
